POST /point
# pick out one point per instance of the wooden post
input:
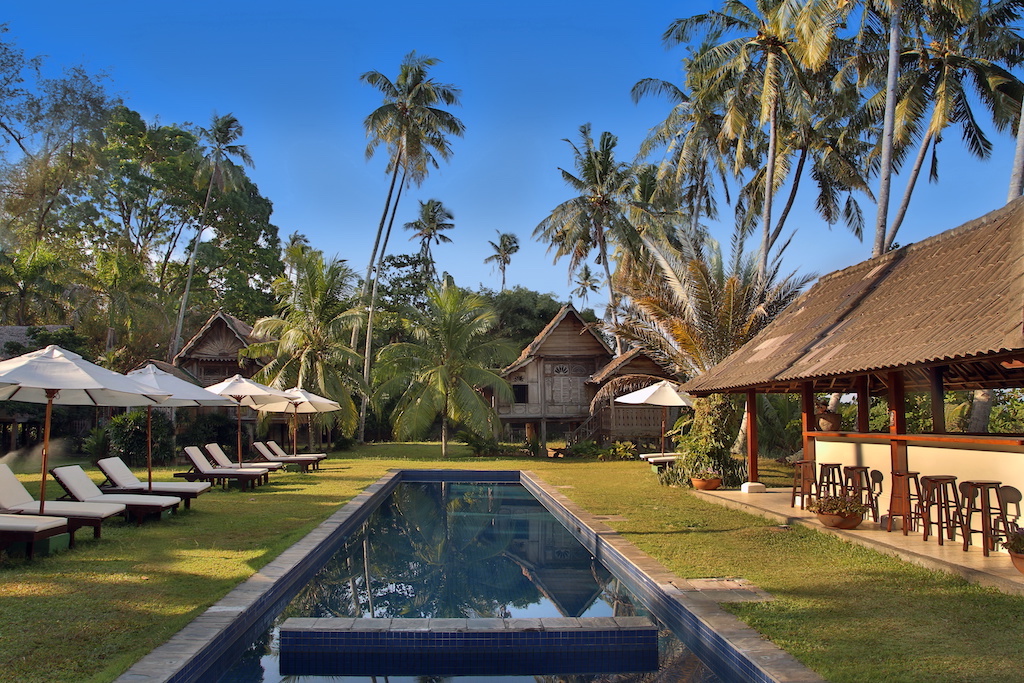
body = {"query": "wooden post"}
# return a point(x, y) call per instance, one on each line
point(751, 436)
point(807, 418)
point(897, 420)
point(863, 405)
point(938, 400)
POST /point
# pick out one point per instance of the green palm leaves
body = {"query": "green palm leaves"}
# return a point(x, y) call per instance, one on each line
point(504, 248)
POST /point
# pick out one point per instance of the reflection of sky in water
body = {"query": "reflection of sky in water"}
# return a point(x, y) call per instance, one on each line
point(510, 557)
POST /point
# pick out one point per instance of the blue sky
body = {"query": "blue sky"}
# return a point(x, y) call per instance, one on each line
point(530, 72)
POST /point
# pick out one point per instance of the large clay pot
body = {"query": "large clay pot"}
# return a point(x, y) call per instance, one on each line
point(829, 422)
point(706, 484)
point(1018, 561)
point(840, 521)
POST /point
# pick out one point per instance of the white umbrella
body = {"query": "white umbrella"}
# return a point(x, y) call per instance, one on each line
point(182, 394)
point(664, 394)
point(245, 392)
point(53, 375)
point(299, 401)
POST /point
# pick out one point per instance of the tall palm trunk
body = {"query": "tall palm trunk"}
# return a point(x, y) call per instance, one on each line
point(897, 220)
point(888, 128)
point(371, 307)
point(769, 186)
point(1017, 174)
point(612, 302)
point(176, 341)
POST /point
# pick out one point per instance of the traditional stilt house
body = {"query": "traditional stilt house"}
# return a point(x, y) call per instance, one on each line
point(942, 314)
point(558, 374)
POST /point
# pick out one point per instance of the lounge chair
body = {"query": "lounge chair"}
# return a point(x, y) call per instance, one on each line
point(221, 459)
point(279, 452)
point(80, 487)
point(15, 497)
point(304, 462)
point(202, 470)
point(28, 529)
point(120, 479)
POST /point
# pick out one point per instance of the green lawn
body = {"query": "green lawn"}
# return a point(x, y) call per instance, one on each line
point(849, 613)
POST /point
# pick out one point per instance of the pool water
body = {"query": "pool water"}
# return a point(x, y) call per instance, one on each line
point(456, 550)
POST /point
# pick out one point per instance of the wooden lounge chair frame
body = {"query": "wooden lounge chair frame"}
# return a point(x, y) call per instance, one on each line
point(220, 459)
point(202, 470)
point(279, 452)
point(120, 479)
point(30, 536)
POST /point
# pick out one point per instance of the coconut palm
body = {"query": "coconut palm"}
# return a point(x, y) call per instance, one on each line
point(506, 245)
point(414, 129)
point(443, 370)
point(306, 339)
point(216, 170)
point(31, 289)
point(597, 216)
point(434, 217)
point(586, 283)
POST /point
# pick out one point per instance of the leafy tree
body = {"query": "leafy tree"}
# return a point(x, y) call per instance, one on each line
point(306, 340)
point(215, 170)
point(31, 286)
point(523, 313)
point(433, 219)
point(506, 246)
point(442, 372)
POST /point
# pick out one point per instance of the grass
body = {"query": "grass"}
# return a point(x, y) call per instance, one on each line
point(849, 613)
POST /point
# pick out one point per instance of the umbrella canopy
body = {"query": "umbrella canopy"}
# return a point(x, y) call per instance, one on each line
point(664, 394)
point(54, 375)
point(182, 394)
point(299, 401)
point(245, 392)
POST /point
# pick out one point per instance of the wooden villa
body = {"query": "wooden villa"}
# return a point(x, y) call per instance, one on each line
point(942, 314)
point(556, 377)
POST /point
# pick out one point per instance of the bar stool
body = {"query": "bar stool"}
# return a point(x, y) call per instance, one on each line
point(993, 518)
point(858, 485)
point(939, 491)
point(904, 500)
point(830, 481)
point(803, 482)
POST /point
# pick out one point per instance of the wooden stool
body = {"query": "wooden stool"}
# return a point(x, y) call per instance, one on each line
point(830, 481)
point(803, 482)
point(993, 517)
point(903, 501)
point(858, 485)
point(939, 491)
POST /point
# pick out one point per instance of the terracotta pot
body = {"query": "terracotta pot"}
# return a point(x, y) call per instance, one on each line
point(830, 422)
point(840, 521)
point(706, 484)
point(1018, 561)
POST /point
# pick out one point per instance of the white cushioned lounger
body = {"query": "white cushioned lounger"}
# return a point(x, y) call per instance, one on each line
point(304, 462)
point(202, 469)
point(14, 496)
point(123, 480)
point(79, 486)
point(279, 452)
point(30, 528)
point(221, 459)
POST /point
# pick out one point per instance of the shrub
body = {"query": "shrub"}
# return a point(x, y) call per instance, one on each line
point(620, 450)
point(674, 475)
point(128, 438)
point(209, 428)
point(481, 445)
point(837, 505)
point(1015, 542)
point(97, 444)
point(584, 449)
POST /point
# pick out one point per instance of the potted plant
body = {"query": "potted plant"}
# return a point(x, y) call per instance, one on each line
point(1014, 545)
point(705, 478)
point(840, 512)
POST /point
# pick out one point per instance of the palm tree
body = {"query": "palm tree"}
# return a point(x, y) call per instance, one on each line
point(31, 289)
point(506, 245)
point(217, 170)
point(442, 372)
point(305, 340)
point(415, 130)
point(597, 215)
point(586, 283)
point(434, 218)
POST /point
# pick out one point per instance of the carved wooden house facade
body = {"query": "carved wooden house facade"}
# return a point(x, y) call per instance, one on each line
point(557, 376)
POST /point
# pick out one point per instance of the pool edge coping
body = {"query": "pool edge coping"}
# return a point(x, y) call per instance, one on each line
point(190, 651)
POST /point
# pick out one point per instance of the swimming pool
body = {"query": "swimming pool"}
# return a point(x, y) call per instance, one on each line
point(734, 651)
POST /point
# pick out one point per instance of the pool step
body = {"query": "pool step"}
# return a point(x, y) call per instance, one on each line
point(465, 647)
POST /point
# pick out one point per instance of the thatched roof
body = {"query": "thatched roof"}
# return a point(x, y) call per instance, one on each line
point(952, 301)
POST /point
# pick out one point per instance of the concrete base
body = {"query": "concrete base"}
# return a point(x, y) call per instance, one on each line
point(753, 487)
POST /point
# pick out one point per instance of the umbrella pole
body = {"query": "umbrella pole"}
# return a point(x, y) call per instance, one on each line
point(295, 433)
point(50, 395)
point(238, 412)
point(664, 412)
point(149, 444)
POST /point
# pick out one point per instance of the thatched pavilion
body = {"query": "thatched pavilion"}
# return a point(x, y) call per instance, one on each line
point(946, 313)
